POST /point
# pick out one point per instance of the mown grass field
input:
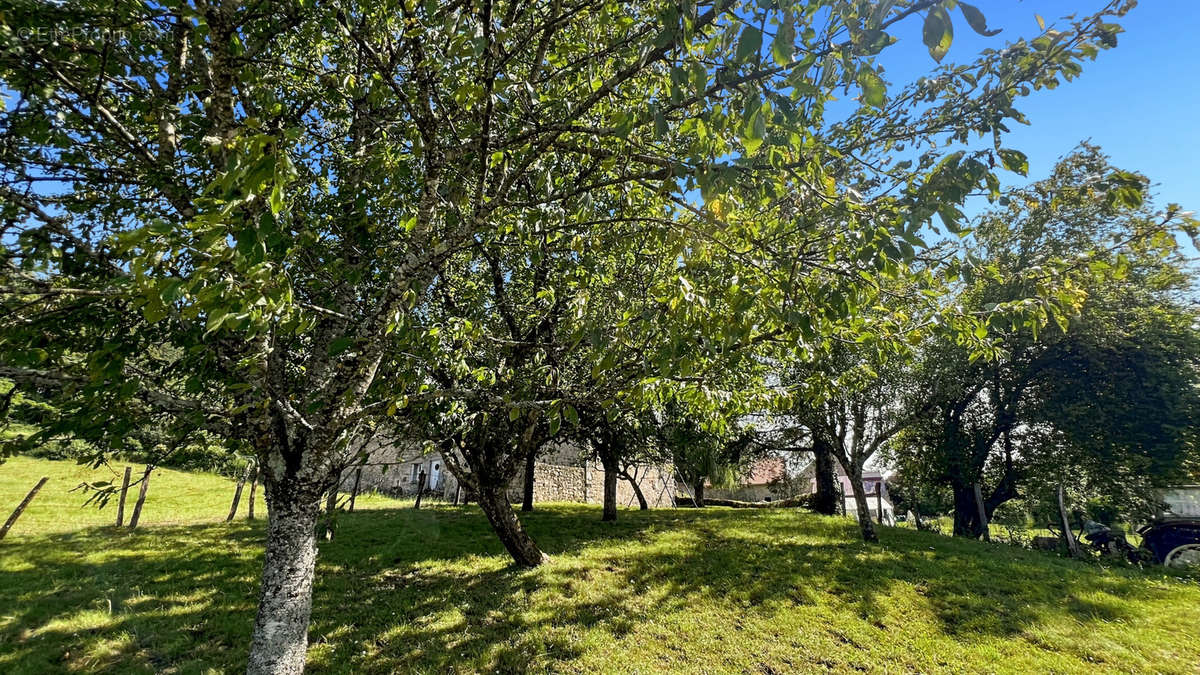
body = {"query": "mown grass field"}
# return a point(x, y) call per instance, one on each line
point(692, 591)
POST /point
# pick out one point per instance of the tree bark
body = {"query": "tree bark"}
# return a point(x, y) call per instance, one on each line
point(420, 489)
point(981, 514)
point(354, 490)
point(826, 498)
point(879, 501)
point(966, 516)
point(137, 507)
point(124, 493)
point(237, 498)
point(330, 508)
point(494, 502)
point(609, 463)
point(698, 493)
point(861, 505)
point(280, 639)
point(253, 491)
point(527, 497)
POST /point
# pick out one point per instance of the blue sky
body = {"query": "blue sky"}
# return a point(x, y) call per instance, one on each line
point(1139, 102)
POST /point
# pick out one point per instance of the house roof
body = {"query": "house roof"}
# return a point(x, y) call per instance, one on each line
point(764, 471)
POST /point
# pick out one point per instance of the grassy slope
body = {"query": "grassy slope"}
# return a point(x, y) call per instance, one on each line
point(686, 591)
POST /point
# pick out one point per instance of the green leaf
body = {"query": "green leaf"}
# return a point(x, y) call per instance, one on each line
point(754, 132)
point(340, 345)
point(276, 199)
point(782, 47)
point(215, 321)
point(749, 44)
point(571, 414)
point(1014, 160)
point(976, 20)
point(1041, 21)
point(874, 91)
point(937, 34)
point(555, 423)
point(154, 311)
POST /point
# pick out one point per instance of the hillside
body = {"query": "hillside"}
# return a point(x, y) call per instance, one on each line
point(714, 590)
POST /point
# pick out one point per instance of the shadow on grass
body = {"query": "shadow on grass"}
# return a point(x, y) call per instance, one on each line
point(431, 590)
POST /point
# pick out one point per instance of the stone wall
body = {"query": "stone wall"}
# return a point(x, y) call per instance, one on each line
point(585, 484)
point(563, 475)
point(395, 470)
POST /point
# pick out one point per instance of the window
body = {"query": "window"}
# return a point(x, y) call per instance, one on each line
point(415, 468)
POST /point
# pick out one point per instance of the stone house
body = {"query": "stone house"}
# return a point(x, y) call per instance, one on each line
point(765, 480)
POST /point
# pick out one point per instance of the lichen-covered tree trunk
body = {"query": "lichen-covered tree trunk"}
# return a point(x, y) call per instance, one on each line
point(860, 504)
point(494, 502)
point(280, 639)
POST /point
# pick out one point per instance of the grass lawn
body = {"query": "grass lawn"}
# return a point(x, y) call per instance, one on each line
point(713, 590)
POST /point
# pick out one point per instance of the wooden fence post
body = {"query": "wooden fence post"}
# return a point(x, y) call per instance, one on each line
point(457, 489)
point(420, 490)
point(124, 491)
point(237, 496)
point(354, 490)
point(21, 507)
point(1072, 545)
point(983, 521)
point(253, 490)
point(137, 507)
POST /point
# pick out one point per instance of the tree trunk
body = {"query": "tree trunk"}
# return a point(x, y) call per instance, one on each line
point(280, 639)
point(879, 501)
point(527, 497)
point(966, 515)
point(137, 507)
point(253, 491)
point(237, 497)
point(698, 493)
point(826, 498)
point(124, 492)
point(494, 502)
point(643, 505)
point(981, 515)
point(420, 489)
point(330, 509)
point(861, 505)
point(354, 490)
point(610, 487)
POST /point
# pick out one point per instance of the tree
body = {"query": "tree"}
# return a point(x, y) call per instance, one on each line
point(850, 403)
point(241, 219)
point(1097, 398)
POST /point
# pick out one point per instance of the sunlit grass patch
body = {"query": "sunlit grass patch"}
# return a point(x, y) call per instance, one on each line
point(713, 590)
